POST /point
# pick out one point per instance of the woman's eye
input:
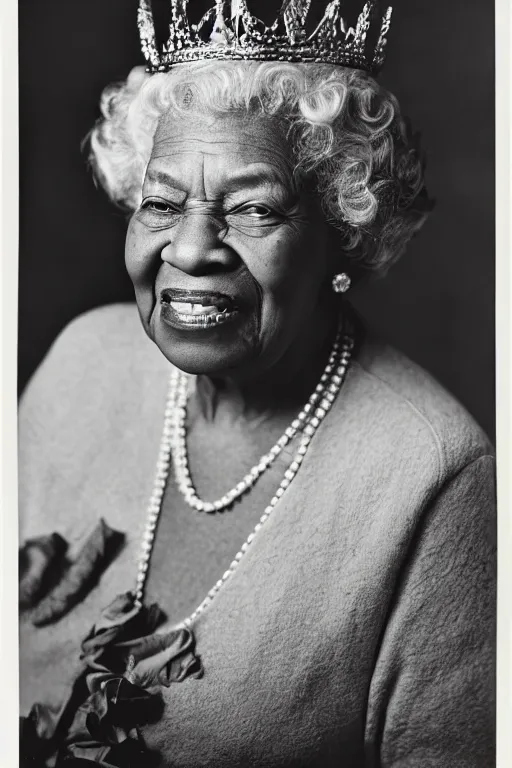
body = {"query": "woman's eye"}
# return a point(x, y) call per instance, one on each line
point(254, 215)
point(257, 211)
point(159, 206)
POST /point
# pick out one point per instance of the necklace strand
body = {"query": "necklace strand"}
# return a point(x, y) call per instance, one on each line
point(307, 422)
point(320, 399)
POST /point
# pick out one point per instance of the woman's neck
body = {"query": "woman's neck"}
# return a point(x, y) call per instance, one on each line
point(280, 391)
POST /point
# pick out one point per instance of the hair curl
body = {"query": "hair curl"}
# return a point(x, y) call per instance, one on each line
point(347, 133)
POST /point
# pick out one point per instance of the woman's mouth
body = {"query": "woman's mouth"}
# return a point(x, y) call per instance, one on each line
point(201, 310)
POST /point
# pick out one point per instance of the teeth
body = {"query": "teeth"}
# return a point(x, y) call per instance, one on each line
point(193, 308)
point(209, 310)
point(193, 313)
point(204, 320)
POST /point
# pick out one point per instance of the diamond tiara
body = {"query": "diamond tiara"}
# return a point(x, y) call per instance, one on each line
point(228, 31)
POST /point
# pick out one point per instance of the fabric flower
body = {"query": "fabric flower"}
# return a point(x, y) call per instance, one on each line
point(121, 621)
point(125, 663)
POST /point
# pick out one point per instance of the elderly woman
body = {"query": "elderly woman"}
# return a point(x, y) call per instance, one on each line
point(312, 581)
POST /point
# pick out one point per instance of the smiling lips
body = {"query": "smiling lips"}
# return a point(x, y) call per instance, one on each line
point(196, 310)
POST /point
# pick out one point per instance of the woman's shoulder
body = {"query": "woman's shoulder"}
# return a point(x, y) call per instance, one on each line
point(100, 380)
point(101, 361)
point(112, 333)
point(97, 351)
point(414, 409)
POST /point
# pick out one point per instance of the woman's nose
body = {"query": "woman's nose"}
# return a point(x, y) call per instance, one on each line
point(196, 245)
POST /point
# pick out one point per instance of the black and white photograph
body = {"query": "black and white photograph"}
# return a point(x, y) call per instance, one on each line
point(256, 360)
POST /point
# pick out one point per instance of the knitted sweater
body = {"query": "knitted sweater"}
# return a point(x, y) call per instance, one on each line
point(358, 630)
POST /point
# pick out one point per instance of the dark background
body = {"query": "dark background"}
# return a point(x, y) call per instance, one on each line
point(437, 304)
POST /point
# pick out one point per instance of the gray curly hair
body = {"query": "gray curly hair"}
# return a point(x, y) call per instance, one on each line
point(346, 131)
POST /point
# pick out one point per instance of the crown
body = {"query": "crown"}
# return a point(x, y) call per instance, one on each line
point(229, 31)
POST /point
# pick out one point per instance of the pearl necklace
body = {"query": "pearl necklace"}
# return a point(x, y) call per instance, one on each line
point(179, 446)
point(174, 442)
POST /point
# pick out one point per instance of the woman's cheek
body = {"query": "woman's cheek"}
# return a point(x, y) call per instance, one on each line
point(142, 259)
point(270, 259)
point(143, 255)
point(279, 281)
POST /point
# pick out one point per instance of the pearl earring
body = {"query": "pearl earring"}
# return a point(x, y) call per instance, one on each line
point(341, 283)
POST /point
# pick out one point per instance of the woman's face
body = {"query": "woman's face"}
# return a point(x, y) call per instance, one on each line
point(227, 256)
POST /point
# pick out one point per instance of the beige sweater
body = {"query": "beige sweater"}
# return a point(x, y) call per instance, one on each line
point(359, 628)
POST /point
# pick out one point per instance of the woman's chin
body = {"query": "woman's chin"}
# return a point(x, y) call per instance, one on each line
point(209, 348)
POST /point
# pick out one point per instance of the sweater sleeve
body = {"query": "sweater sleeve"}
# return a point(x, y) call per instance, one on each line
point(431, 700)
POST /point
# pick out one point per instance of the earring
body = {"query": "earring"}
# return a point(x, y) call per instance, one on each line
point(341, 283)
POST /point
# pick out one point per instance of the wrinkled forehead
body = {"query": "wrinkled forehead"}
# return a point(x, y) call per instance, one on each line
point(236, 139)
